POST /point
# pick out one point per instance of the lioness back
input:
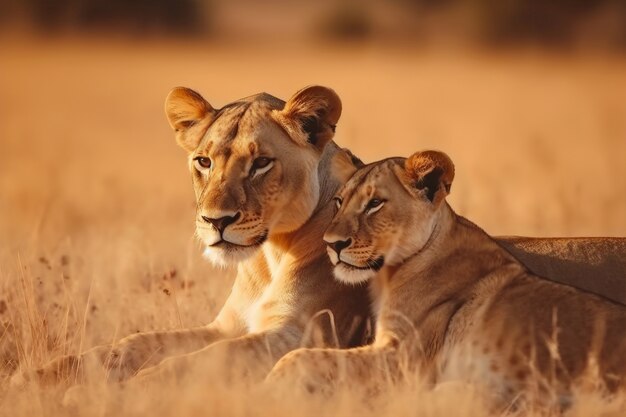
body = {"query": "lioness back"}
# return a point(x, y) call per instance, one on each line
point(594, 264)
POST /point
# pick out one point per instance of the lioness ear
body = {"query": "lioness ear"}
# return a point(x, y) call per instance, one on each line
point(310, 115)
point(184, 109)
point(431, 172)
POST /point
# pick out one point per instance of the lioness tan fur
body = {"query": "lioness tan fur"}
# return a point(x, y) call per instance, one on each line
point(449, 301)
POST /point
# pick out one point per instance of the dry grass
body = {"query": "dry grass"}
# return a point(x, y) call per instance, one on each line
point(96, 205)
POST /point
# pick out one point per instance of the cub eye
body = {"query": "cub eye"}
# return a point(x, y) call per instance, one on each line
point(374, 205)
point(202, 162)
point(338, 202)
point(261, 163)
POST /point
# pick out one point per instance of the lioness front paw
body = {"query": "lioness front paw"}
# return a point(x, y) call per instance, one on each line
point(58, 371)
point(306, 371)
point(130, 356)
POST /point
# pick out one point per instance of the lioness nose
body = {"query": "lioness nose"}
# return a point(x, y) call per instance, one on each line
point(339, 245)
point(223, 222)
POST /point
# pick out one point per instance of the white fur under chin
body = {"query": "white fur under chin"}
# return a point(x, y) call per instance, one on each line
point(224, 258)
point(349, 275)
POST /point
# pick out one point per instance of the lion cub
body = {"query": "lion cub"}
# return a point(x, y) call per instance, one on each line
point(450, 302)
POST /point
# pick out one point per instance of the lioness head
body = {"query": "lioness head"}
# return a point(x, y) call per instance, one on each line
point(386, 212)
point(253, 164)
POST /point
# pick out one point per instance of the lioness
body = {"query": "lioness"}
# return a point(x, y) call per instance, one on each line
point(449, 300)
point(264, 173)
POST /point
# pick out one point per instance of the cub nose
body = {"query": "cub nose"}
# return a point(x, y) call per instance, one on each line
point(339, 245)
point(222, 223)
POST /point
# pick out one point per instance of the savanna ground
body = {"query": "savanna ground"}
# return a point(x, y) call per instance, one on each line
point(96, 206)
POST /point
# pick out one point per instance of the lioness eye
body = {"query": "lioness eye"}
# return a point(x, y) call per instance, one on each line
point(202, 162)
point(374, 202)
point(260, 166)
point(374, 205)
point(260, 163)
point(338, 201)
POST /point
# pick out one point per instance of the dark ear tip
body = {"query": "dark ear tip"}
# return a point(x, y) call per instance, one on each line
point(421, 162)
point(329, 97)
point(318, 89)
point(430, 171)
point(314, 112)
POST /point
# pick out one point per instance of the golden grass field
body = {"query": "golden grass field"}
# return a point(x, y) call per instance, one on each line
point(96, 206)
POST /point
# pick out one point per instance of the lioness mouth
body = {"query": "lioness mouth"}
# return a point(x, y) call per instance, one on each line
point(225, 243)
point(374, 265)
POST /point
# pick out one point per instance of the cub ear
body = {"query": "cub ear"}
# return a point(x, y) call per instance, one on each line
point(310, 116)
point(184, 109)
point(432, 173)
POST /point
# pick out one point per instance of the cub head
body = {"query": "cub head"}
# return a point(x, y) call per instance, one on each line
point(386, 212)
point(253, 164)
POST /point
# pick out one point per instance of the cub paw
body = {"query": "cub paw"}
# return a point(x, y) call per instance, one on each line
point(171, 369)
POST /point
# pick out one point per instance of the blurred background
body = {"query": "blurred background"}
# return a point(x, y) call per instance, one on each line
point(601, 23)
point(528, 97)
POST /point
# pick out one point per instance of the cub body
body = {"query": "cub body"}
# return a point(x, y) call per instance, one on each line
point(451, 303)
